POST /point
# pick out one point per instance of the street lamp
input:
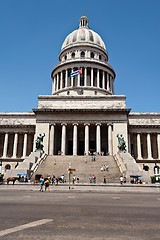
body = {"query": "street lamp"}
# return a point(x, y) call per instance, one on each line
point(0, 167)
point(156, 172)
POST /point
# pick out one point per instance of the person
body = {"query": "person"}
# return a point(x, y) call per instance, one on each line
point(53, 180)
point(104, 179)
point(90, 179)
point(121, 179)
point(101, 168)
point(73, 179)
point(94, 178)
point(46, 184)
point(57, 179)
point(107, 168)
point(77, 179)
point(124, 179)
point(41, 183)
point(94, 159)
point(62, 177)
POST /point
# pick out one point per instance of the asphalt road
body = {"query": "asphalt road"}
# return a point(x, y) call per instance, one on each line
point(79, 215)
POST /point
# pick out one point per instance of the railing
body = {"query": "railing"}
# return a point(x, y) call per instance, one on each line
point(37, 164)
point(120, 163)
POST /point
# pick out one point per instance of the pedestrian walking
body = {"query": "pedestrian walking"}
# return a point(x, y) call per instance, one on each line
point(121, 180)
point(41, 183)
point(90, 179)
point(94, 179)
point(46, 184)
point(104, 180)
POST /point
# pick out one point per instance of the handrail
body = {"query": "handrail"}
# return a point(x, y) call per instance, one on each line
point(38, 163)
point(120, 163)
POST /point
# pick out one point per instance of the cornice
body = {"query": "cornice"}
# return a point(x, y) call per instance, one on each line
point(42, 110)
point(144, 126)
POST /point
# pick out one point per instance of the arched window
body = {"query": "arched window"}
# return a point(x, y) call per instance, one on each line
point(74, 37)
point(100, 57)
point(65, 57)
point(82, 54)
point(73, 55)
point(92, 55)
point(91, 36)
point(82, 35)
point(8, 167)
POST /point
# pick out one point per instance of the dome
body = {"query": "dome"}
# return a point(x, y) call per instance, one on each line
point(83, 35)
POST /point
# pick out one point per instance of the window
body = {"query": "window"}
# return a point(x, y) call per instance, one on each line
point(91, 36)
point(100, 57)
point(82, 54)
point(74, 37)
point(73, 55)
point(82, 35)
point(92, 55)
point(65, 57)
point(68, 92)
point(8, 167)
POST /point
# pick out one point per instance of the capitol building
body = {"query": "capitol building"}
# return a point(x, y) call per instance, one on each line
point(82, 115)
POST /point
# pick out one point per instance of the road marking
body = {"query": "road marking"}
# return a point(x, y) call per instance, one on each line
point(24, 226)
point(117, 198)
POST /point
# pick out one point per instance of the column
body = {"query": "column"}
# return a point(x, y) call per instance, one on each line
point(86, 138)
point(110, 83)
point(91, 77)
point(75, 138)
point(72, 78)
point(63, 139)
point(139, 154)
point(107, 81)
point(149, 146)
point(5, 146)
point(129, 143)
point(78, 83)
point(15, 145)
point(98, 138)
point(53, 85)
point(66, 79)
point(85, 76)
point(110, 151)
point(61, 85)
point(158, 145)
point(51, 148)
point(103, 80)
point(98, 78)
point(57, 81)
point(24, 146)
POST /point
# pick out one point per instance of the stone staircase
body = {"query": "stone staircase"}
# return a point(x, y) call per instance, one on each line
point(132, 167)
point(58, 165)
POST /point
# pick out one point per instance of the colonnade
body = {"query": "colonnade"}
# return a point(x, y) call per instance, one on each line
point(92, 77)
point(86, 140)
point(147, 145)
point(18, 139)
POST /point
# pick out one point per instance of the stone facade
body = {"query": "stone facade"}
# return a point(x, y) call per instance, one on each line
point(83, 114)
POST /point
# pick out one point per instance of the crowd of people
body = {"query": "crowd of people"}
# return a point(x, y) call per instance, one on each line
point(45, 182)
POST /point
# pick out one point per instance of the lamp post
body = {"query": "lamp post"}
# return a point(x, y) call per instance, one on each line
point(0, 167)
point(156, 172)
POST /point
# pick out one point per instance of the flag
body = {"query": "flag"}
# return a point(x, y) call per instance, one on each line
point(77, 72)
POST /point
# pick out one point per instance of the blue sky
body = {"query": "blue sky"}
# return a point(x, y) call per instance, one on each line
point(32, 33)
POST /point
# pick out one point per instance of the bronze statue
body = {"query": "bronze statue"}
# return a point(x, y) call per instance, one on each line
point(121, 143)
point(39, 143)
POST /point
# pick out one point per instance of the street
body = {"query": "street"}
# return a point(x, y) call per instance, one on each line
point(79, 215)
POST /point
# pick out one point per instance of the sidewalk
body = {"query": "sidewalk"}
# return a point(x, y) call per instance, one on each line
point(112, 187)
